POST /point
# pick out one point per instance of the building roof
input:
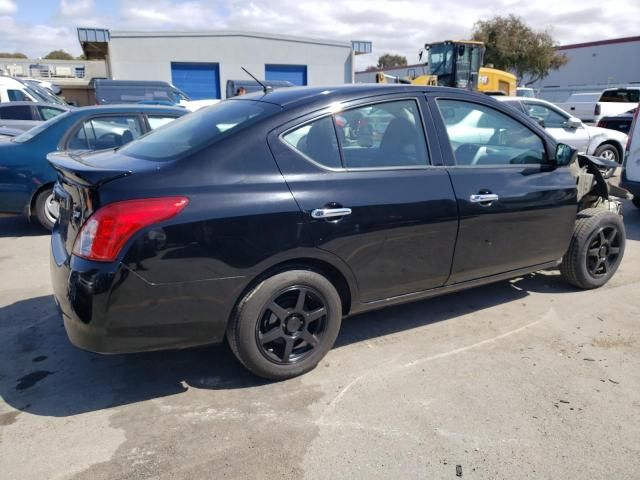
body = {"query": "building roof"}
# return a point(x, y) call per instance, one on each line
point(225, 33)
point(596, 43)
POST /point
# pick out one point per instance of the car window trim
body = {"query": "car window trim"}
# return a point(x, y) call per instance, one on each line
point(462, 98)
point(326, 113)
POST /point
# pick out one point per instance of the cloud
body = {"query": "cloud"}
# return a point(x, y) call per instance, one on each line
point(399, 26)
point(76, 8)
point(8, 7)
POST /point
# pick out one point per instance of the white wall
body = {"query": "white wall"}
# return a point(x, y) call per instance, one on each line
point(148, 56)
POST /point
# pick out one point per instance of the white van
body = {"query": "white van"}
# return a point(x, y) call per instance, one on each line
point(630, 178)
point(11, 90)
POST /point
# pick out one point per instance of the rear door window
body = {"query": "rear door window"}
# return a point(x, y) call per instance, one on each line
point(382, 135)
point(16, 112)
point(100, 133)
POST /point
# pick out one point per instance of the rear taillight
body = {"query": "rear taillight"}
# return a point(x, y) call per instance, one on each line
point(596, 110)
point(105, 232)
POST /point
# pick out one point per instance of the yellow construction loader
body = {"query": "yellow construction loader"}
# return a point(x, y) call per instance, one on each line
point(458, 64)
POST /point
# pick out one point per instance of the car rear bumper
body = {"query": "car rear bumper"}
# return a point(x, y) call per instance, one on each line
point(109, 308)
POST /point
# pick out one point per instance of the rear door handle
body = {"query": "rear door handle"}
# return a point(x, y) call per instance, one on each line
point(330, 212)
point(484, 198)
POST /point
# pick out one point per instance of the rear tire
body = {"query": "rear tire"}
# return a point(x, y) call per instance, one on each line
point(608, 152)
point(285, 325)
point(596, 249)
point(636, 202)
point(45, 211)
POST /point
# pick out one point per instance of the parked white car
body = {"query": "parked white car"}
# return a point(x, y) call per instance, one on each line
point(591, 107)
point(630, 178)
point(11, 90)
point(600, 142)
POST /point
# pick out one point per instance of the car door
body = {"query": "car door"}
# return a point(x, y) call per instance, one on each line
point(372, 193)
point(555, 122)
point(22, 117)
point(516, 209)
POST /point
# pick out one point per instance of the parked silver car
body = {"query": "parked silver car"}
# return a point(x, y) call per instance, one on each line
point(565, 128)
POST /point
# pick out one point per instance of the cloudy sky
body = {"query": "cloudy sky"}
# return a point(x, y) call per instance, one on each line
point(396, 26)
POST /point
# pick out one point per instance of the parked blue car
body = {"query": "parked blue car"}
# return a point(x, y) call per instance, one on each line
point(27, 179)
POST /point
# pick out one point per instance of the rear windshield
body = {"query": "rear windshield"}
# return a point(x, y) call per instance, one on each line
point(198, 129)
point(106, 94)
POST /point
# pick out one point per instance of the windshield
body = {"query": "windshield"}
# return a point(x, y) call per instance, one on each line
point(196, 130)
point(106, 94)
point(29, 134)
point(44, 93)
point(441, 59)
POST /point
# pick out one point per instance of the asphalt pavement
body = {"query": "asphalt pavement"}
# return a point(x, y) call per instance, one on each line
point(529, 378)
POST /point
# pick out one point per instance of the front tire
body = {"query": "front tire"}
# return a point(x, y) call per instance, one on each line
point(608, 152)
point(596, 249)
point(285, 325)
point(46, 211)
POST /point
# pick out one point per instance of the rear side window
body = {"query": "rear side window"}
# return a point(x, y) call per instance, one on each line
point(382, 135)
point(48, 112)
point(102, 133)
point(16, 112)
point(17, 96)
point(317, 140)
point(199, 129)
point(481, 136)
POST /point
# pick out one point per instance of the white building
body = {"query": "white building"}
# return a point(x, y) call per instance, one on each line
point(592, 67)
point(200, 63)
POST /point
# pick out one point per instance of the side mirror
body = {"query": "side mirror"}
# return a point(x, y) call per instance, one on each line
point(573, 122)
point(565, 155)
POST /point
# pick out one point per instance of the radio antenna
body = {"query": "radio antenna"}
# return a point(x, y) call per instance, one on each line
point(265, 89)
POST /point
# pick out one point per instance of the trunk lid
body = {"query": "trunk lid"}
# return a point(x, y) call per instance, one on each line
point(80, 176)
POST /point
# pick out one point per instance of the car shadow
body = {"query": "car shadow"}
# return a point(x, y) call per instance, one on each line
point(43, 374)
point(19, 226)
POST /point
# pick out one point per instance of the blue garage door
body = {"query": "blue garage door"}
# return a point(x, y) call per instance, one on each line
point(198, 80)
point(296, 74)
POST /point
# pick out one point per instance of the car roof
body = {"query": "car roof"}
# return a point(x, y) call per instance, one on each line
point(294, 97)
point(116, 83)
point(130, 107)
point(38, 104)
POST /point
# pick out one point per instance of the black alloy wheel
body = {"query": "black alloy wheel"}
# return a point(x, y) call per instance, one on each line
point(292, 325)
point(286, 324)
point(604, 250)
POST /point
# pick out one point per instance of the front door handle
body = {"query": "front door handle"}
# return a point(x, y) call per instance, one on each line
point(330, 212)
point(484, 198)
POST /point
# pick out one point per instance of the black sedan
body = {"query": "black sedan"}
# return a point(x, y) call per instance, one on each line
point(267, 218)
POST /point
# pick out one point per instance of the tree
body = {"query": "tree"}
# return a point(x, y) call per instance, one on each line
point(58, 55)
point(514, 46)
point(389, 60)
point(12, 55)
